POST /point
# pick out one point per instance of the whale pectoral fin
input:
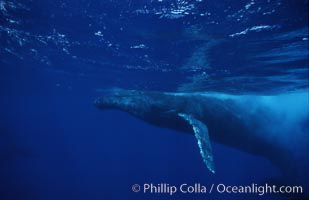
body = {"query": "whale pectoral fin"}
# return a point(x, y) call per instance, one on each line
point(203, 141)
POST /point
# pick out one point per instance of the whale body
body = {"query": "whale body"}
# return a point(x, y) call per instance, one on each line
point(269, 126)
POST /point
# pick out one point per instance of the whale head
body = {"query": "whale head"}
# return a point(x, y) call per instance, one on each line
point(154, 107)
point(126, 100)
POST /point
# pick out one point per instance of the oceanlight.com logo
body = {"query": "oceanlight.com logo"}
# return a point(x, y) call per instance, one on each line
point(198, 188)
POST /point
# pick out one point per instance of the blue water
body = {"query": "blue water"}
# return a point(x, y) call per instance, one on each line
point(57, 56)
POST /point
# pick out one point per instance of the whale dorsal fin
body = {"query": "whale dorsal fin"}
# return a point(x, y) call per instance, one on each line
point(203, 141)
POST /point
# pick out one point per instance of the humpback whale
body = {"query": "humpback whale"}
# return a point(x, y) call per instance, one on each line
point(269, 126)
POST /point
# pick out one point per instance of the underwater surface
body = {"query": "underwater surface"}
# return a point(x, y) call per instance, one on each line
point(58, 56)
